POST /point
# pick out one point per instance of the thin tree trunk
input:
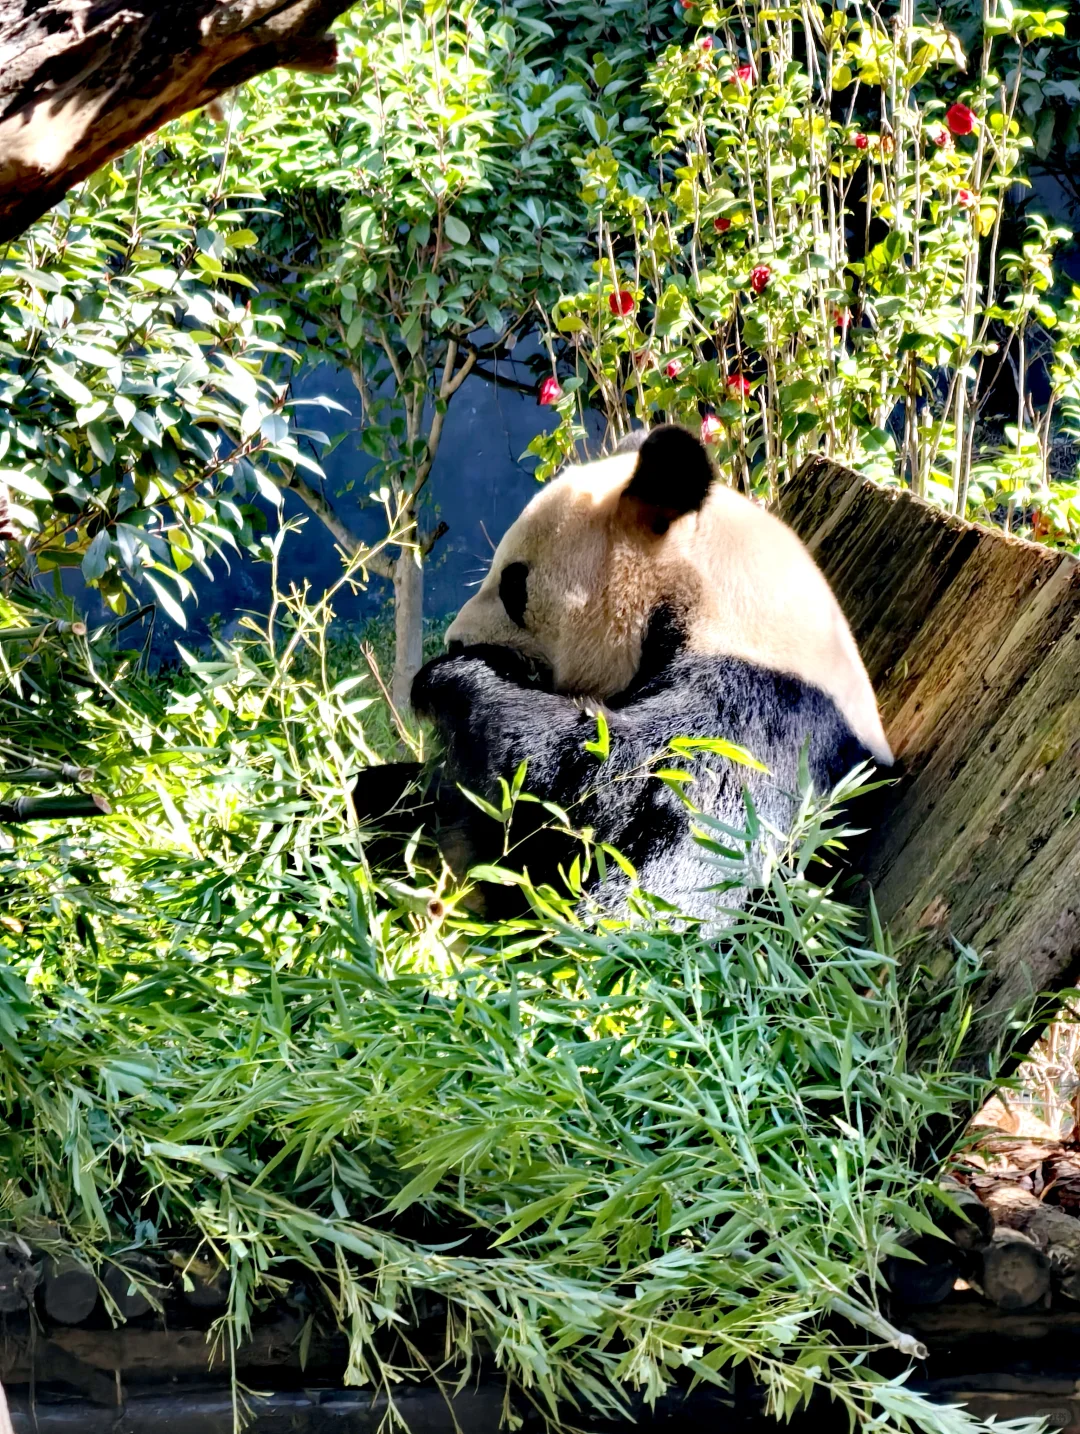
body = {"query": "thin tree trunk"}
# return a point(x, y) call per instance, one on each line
point(408, 625)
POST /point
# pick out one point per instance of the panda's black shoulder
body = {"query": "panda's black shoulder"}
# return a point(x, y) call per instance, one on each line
point(771, 714)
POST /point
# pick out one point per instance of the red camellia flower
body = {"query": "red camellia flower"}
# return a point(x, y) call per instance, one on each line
point(721, 225)
point(673, 368)
point(759, 278)
point(621, 303)
point(711, 428)
point(738, 385)
point(862, 141)
point(965, 198)
point(960, 119)
point(550, 391)
point(745, 74)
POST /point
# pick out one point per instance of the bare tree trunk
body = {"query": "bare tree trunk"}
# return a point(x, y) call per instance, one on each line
point(408, 625)
point(83, 80)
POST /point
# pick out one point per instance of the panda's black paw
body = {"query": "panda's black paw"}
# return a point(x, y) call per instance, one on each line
point(446, 686)
point(510, 665)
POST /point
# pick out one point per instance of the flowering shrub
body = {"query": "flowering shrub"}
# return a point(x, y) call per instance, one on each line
point(819, 258)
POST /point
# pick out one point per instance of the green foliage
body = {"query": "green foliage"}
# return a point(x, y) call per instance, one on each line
point(140, 414)
point(423, 205)
point(809, 280)
point(222, 1033)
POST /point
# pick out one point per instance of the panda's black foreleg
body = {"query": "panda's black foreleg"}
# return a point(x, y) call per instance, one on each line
point(489, 726)
point(391, 802)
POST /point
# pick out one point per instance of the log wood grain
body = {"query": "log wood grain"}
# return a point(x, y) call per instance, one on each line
point(972, 641)
point(83, 80)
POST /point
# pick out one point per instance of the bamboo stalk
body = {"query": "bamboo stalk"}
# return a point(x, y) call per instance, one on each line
point(48, 776)
point(59, 628)
point(38, 809)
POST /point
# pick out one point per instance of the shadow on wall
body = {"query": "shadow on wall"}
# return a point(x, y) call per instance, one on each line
point(478, 487)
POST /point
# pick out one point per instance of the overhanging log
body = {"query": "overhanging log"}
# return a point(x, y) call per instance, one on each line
point(972, 640)
point(83, 80)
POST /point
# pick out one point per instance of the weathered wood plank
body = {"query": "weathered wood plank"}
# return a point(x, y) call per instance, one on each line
point(972, 640)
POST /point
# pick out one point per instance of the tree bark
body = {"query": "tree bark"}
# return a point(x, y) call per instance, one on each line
point(83, 80)
point(408, 626)
point(972, 640)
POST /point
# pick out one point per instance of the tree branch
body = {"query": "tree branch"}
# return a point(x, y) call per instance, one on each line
point(83, 80)
point(500, 382)
point(346, 539)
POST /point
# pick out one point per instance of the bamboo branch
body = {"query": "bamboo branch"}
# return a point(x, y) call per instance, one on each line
point(376, 563)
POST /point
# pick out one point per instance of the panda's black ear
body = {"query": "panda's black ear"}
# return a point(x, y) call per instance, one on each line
point(673, 473)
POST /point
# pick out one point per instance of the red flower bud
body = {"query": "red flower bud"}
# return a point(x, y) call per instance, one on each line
point(688, 4)
point(721, 225)
point(707, 43)
point(842, 319)
point(550, 391)
point(711, 428)
point(621, 303)
point(960, 119)
point(739, 385)
point(759, 278)
point(862, 142)
point(746, 75)
point(673, 368)
point(965, 198)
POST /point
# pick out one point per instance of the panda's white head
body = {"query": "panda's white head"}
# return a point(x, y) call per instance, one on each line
point(599, 550)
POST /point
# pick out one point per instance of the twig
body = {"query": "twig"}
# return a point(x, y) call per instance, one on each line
point(403, 732)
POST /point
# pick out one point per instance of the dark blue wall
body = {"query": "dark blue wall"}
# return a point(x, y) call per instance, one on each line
point(478, 486)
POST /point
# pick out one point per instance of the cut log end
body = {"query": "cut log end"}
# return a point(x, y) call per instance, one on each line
point(1012, 1272)
point(71, 1291)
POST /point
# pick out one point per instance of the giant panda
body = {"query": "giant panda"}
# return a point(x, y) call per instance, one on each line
point(641, 586)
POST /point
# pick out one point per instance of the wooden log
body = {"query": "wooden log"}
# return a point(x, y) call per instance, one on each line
point(972, 640)
point(929, 1277)
point(1011, 1271)
point(971, 1320)
point(137, 1355)
point(70, 1291)
point(204, 1286)
point(1054, 1231)
point(130, 1283)
point(973, 1226)
point(83, 80)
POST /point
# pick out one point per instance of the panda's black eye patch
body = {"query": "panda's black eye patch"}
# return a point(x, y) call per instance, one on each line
point(513, 591)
